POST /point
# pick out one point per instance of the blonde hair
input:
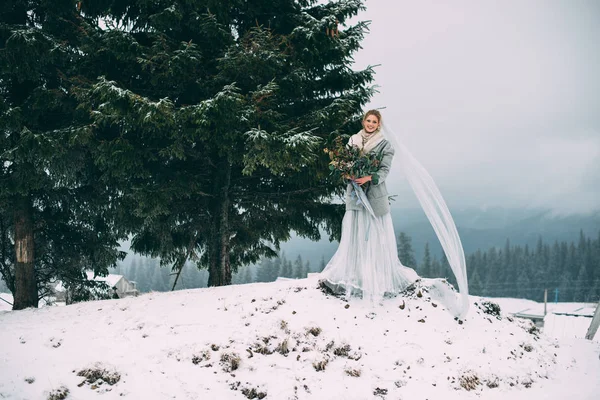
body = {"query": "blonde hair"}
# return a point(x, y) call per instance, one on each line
point(376, 114)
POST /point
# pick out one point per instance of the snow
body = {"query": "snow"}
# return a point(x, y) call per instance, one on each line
point(530, 307)
point(6, 301)
point(110, 279)
point(567, 326)
point(4, 298)
point(186, 344)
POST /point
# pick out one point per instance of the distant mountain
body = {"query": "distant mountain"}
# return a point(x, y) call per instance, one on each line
point(479, 228)
point(485, 228)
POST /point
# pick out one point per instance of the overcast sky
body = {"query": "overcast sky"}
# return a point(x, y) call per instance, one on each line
point(499, 100)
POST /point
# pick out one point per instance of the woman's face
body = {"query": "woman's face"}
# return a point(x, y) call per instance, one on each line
point(371, 123)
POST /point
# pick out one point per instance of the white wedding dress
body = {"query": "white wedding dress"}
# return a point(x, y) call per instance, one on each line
point(366, 262)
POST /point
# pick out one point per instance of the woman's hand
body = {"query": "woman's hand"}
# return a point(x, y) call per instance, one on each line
point(363, 180)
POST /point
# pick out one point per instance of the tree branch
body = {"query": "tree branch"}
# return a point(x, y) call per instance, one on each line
point(183, 259)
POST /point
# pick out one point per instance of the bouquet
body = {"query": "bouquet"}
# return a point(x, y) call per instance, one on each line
point(347, 162)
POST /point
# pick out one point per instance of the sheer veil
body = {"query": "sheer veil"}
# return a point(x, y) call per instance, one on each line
point(439, 216)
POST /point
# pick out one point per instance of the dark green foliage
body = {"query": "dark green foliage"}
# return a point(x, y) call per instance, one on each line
point(405, 251)
point(210, 117)
point(87, 290)
point(51, 202)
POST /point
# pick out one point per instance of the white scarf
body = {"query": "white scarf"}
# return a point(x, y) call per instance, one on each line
point(373, 140)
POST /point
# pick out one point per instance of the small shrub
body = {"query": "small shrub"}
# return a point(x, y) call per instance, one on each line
point(230, 361)
point(252, 393)
point(491, 308)
point(263, 347)
point(98, 372)
point(58, 394)
point(527, 347)
point(534, 330)
point(315, 331)
point(283, 348)
point(469, 382)
point(353, 372)
point(342, 351)
point(249, 393)
point(320, 365)
point(493, 383)
point(203, 356)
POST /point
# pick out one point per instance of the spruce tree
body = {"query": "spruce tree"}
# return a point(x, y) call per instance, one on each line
point(405, 251)
point(581, 285)
point(522, 286)
point(436, 267)
point(286, 268)
point(268, 270)
point(475, 284)
point(322, 264)
point(493, 286)
point(210, 116)
point(54, 212)
point(426, 267)
point(306, 270)
point(275, 269)
point(299, 268)
point(593, 294)
point(247, 276)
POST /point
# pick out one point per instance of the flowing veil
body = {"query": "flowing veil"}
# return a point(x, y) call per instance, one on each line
point(439, 216)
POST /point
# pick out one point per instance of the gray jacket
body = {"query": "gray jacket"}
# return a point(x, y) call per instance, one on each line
point(377, 194)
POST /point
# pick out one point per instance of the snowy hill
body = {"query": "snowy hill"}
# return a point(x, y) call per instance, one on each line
point(284, 340)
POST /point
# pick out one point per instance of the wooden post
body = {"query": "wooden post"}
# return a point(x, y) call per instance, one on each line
point(594, 325)
point(545, 301)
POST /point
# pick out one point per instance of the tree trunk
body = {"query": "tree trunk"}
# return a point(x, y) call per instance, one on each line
point(26, 294)
point(219, 268)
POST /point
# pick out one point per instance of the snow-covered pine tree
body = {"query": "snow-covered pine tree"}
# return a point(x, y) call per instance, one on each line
point(54, 212)
point(210, 116)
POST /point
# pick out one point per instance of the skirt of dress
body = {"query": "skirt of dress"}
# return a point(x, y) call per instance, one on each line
point(366, 262)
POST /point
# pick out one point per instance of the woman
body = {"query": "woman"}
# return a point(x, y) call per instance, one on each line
point(366, 262)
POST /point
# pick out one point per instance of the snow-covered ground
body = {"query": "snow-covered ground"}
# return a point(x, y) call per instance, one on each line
point(285, 340)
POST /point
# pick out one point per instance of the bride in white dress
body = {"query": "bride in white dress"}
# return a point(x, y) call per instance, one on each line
point(366, 262)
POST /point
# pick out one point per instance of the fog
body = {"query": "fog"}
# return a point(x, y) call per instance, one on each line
point(500, 101)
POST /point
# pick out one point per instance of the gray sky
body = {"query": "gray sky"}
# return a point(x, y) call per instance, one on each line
point(499, 100)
